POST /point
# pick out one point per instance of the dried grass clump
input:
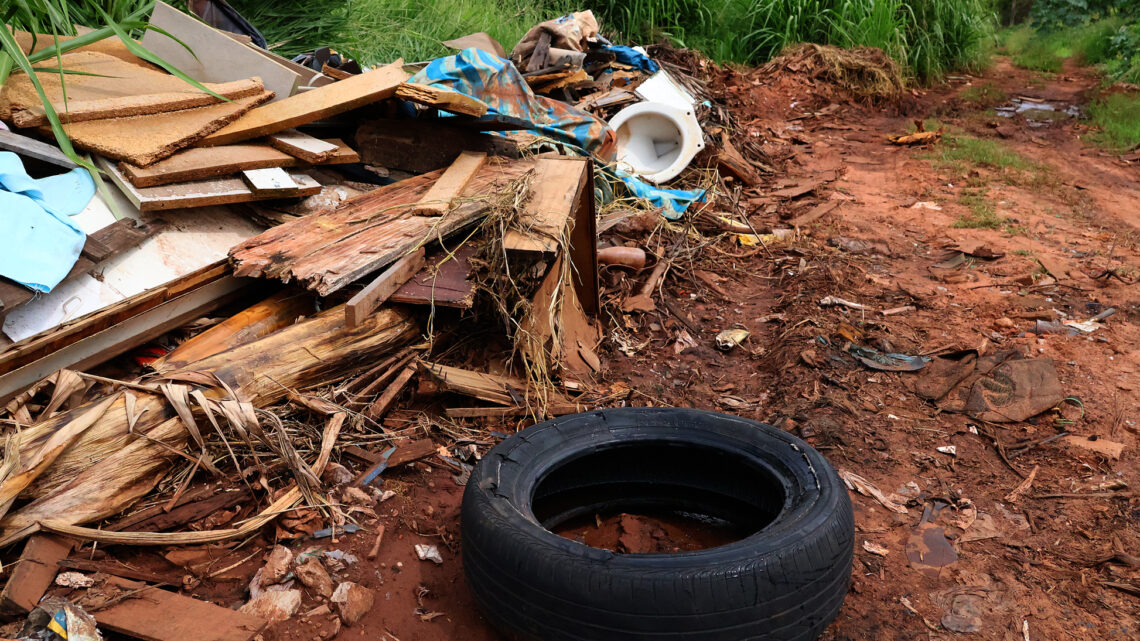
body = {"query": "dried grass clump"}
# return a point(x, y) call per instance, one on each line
point(867, 72)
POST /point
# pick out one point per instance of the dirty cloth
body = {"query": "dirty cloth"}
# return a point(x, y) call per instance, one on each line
point(497, 83)
point(38, 242)
point(573, 31)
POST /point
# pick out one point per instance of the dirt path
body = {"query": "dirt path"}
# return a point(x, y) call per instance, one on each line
point(1045, 562)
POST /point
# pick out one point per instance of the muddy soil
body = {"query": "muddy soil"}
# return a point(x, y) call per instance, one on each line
point(964, 558)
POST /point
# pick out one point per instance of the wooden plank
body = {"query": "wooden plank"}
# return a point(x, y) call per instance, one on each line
point(190, 512)
point(438, 98)
point(419, 147)
point(556, 330)
point(380, 406)
point(406, 452)
point(375, 293)
point(158, 615)
point(584, 247)
point(553, 409)
point(199, 193)
point(33, 573)
point(443, 281)
point(555, 191)
point(142, 140)
point(198, 163)
point(437, 200)
point(129, 521)
point(327, 251)
point(211, 56)
point(817, 212)
point(273, 182)
point(118, 569)
point(32, 148)
point(303, 146)
point(97, 337)
point(503, 390)
point(322, 102)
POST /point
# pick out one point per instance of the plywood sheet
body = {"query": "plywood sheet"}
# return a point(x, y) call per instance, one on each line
point(198, 163)
point(199, 193)
point(117, 89)
point(306, 107)
point(216, 57)
point(444, 281)
point(142, 140)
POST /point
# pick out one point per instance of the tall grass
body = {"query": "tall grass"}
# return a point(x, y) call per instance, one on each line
point(54, 17)
point(928, 37)
point(379, 31)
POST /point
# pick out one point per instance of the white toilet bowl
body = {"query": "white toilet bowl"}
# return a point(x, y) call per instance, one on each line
point(655, 140)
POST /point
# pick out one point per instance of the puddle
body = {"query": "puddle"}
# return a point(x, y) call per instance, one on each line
point(1038, 114)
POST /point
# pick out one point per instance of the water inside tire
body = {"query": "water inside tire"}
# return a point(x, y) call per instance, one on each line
point(657, 497)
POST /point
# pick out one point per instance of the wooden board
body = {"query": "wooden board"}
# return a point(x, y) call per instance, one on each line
point(444, 281)
point(503, 390)
point(198, 163)
point(110, 46)
point(212, 56)
point(422, 146)
point(437, 98)
point(555, 191)
point(565, 339)
point(326, 251)
point(33, 573)
point(115, 88)
point(437, 201)
point(142, 140)
point(303, 146)
point(322, 102)
point(198, 193)
point(272, 182)
point(375, 293)
point(158, 615)
point(32, 148)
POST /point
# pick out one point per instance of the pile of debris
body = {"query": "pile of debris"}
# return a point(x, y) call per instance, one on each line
point(215, 337)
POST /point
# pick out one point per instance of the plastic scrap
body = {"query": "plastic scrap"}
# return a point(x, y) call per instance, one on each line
point(631, 56)
point(56, 619)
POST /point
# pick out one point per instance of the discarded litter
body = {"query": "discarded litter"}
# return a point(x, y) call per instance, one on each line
point(428, 553)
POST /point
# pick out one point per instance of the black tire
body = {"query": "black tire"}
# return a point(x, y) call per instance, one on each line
point(783, 582)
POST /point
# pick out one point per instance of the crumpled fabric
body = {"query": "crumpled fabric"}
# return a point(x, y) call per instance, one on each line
point(632, 57)
point(573, 31)
point(498, 83)
point(39, 244)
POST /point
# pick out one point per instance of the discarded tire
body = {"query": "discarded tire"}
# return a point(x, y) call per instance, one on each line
point(783, 582)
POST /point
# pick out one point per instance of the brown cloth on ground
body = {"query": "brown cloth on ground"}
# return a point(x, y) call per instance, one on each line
point(1003, 387)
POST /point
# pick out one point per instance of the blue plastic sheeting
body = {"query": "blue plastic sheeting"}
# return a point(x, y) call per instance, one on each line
point(673, 201)
point(632, 57)
point(498, 83)
point(38, 242)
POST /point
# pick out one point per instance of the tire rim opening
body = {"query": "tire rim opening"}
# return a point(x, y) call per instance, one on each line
point(657, 498)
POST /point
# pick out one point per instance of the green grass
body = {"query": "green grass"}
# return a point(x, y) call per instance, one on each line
point(962, 152)
point(1086, 44)
point(982, 214)
point(1117, 117)
point(984, 95)
point(380, 31)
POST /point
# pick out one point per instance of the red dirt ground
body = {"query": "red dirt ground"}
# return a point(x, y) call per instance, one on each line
point(1046, 563)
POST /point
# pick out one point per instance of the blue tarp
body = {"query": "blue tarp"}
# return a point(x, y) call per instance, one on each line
point(498, 83)
point(632, 57)
point(38, 242)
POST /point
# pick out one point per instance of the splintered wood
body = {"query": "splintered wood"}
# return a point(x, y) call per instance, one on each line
point(325, 252)
point(207, 162)
point(438, 98)
point(380, 289)
point(437, 201)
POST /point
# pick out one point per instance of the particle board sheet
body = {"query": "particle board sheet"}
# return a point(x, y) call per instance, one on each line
point(213, 56)
point(143, 140)
point(198, 163)
point(222, 190)
point(325, 252)
point(306, 107)
point(114, 89)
